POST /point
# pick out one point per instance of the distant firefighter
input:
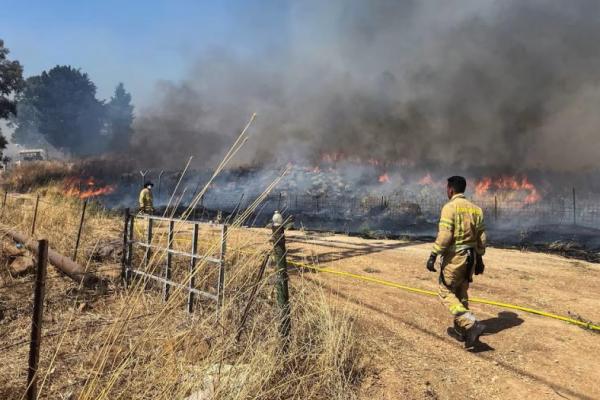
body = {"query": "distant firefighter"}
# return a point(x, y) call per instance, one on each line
point(461, 242)
point(146, 199)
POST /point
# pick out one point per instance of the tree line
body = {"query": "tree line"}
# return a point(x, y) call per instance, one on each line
point(59, 107)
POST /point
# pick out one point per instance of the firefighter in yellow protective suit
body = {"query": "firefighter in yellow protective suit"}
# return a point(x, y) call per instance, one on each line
point(146, 200)
point(461, 242)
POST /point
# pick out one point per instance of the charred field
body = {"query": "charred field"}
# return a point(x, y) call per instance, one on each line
point(557, 213)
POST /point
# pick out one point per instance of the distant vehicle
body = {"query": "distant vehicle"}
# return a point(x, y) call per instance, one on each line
point(29, 155)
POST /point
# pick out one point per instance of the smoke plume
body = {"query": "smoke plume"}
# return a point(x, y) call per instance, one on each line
point(508, 86)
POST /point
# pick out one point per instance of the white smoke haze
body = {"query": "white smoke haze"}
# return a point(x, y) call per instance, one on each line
point(507, 86)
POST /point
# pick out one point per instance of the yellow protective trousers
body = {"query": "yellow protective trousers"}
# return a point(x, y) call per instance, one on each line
point(453, 288)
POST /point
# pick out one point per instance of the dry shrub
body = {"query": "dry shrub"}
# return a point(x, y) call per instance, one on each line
point(31, 175)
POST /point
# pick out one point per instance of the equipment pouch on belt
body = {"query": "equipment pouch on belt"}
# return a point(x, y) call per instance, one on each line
point(479, 265)
point(470, 263)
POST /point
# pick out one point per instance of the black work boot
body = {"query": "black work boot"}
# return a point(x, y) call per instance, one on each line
point(456, 332)
point(456, 335)
point(472, 335)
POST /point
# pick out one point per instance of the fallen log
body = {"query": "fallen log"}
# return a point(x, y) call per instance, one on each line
point(64, 264)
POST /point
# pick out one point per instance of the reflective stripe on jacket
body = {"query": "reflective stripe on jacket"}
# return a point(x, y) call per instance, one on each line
point(461, 227)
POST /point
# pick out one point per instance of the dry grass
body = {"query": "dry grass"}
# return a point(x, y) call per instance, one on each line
point(31, 175)
point(128, 344)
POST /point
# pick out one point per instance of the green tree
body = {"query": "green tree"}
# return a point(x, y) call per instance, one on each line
point(119, 118)
point(11, 82)
point(61, 104)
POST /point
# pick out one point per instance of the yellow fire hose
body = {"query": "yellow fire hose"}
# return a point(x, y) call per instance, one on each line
point(587, 325)
point(584, 324)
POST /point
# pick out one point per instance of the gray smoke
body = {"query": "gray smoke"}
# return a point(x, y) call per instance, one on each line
point(502, 85)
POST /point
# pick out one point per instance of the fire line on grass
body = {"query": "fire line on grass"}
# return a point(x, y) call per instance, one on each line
point(84, 188)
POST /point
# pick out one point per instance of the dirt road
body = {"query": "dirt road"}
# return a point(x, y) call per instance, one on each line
point(523, 355)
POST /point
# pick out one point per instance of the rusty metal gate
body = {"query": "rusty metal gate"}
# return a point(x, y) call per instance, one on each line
point(165, 278)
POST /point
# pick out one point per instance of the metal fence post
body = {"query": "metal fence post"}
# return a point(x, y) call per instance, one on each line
point(159, 181)
point(148, 242)
point(79, 230)
point(125, 244)
point(143, 174)
point(281, 285)
point(129, 249)
point(221, 282)
point(192, 284)
point(167, 286)
point(574, 209)
point(35, 210)
point(495, 208)
point(36, 320)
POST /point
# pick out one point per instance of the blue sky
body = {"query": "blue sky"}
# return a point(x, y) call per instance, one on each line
point(136, 42)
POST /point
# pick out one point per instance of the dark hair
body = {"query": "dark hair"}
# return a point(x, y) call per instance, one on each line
point(458, 183)
point(146, 184)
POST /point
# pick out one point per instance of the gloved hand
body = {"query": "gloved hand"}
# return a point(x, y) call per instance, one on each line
point(479, 266)
point(431, 262)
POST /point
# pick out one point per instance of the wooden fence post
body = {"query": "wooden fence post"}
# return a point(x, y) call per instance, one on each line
point(221, 282)
point(4, 203)
point(281, 285)
point(190, 305)
point(36, 320)
point(79, 230)
point(167, 286)
point(35, 210)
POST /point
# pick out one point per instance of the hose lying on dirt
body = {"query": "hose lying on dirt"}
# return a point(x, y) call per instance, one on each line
point(587, 325)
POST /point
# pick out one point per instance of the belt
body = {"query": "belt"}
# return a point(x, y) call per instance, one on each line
point(470, 264)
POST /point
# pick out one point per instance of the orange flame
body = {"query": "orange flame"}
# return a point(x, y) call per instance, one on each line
point(86, 188)
point(509, 184)
point(426, 180)
point(384, 178)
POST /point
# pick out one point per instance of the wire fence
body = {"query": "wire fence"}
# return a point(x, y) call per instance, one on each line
point(403, 210)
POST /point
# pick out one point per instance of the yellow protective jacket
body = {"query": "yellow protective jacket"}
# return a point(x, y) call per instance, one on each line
point(146, 201)
point(461, 227)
